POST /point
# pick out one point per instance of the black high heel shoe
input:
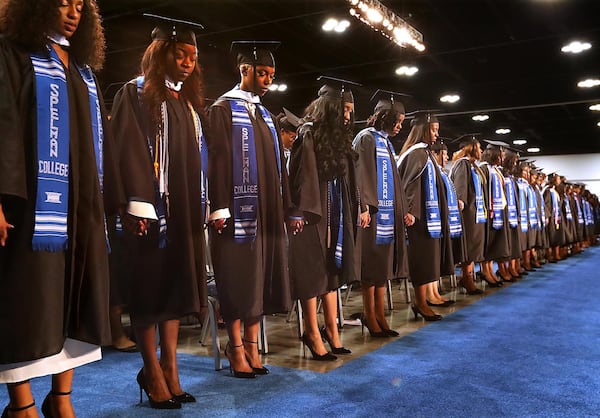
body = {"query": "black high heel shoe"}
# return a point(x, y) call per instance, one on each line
point(167, 404)
point(334, 350)
point(46, 405)
point(488, 281)
point(388, 331)
point(319, 357)
point(417, 312)
point(11, 409)
point(257, 370)
point(184, 398)
point(374, 334)
point(236, 373)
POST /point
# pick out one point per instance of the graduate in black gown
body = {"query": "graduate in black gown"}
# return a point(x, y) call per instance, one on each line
point(325, 213)
point(509, 269)
point(383, 244)
point(553, 203)
point(54, 156)
point(429, 241)
point(469, 183)
point(158, 124)
point(249, 197)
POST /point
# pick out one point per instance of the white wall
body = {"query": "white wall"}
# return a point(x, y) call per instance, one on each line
point(577, 168)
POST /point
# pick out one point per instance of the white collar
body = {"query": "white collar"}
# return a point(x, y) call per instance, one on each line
point(237, 93)
point(172, 86)
point(59, 39)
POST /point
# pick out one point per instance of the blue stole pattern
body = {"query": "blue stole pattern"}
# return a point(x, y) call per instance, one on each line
point(541, 208)
point(52, 199)
point(511, 204)
point(496, 198)
point(432, 205)
point(479, 205)
point(589, 218)
point(203, 151)
point(453, 212)
point(555, 206)
point(568, 213)
point(336, 218)
point(580, 218)
point(523, 216)
point(385, 189)
point(532, 208)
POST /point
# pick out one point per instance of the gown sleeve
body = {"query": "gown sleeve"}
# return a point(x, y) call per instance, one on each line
point(410, 174)
point(366, 171)
point(220, 160)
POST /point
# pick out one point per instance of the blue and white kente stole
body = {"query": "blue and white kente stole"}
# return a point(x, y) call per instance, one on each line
point(587, 209)
point(453, 212)
point(497, 198)
point(432, 204)
point(203, 152)
point(532, 208)
point(479, 204)
point(523, 216)
point(568, 213)
point(541, 208)
point(385, 190)
point(511, 204)
point(555, 206)
point(245, 174)
point(580, 219)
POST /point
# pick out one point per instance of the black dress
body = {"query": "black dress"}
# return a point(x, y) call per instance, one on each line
point(252, 278)
point(497, 241)
point(379, 262)
point(313, 269)
point(165, 283)
point(46, 297)
point(428, 258)
point(474, 233)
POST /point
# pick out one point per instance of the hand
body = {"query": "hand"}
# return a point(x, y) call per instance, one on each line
point(134, 225)
point(296, 225)
point(4, 227)
point(461, 205)
point(365, 219)
point(219, 225)
point(409, 219)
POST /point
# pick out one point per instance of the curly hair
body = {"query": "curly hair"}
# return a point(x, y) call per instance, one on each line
point(333, 139)
point(28, 23)
point(154, 69)
point(384, 120)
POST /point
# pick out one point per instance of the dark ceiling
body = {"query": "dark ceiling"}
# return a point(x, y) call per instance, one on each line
point(502, 56)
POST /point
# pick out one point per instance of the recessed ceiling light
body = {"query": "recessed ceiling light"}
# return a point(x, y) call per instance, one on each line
point(332, 24)
point(598, 124)
point(576, 47)
point(533, 149)
point(520, 141)
point(480, 118)
point(450, 98)
point(407, 70)
point(278, 87)
point(595, 107)
point(589, 83)
point(282, 87)
point(502, 131)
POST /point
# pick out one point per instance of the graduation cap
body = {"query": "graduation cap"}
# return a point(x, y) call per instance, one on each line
point(255, 52)
point(496, 144)
point(423, 117)
point(439, 145)
point(290, 119)
point(174, 30)
point(331, 89)
point(388, 100)
point(465, 140)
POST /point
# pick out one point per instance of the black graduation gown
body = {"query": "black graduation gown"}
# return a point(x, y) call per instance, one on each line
point(556, 235)
point(579, 226)
point(496, 242)
point(48, 296)
point(170, 282)
point(465, 190)
point(428, 258)
point(252, 278)
point(313, 269)
point(569, 224)
point(514, 243)
point(379, 263)
point(541, 237)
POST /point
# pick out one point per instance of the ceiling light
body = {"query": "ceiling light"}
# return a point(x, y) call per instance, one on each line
point(598, 124)
point(332, 24)
point(480, 118)
point(520, 141)
point(595, 107)
point(576, 47)
point(450, 98)
point(533, 149)
point(589, 83)
point(273, 87)
point(502, 131)
point(385, 21)
point(282, 87)
point(407, 70)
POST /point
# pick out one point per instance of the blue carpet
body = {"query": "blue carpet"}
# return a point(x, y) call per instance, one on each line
point(529, 350)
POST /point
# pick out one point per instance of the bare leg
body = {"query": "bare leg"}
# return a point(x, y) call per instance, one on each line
point(119, 339)
point(153, 375)
point(369, 301)
point(467, 279)
point(330, 312)
point(435, 292)
point(235, 348)
point(20, 396)
point(251, 343)
point(311, 326)
point(169, 331)
point(421, 300)
point(380, 306)
point(60, 397)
